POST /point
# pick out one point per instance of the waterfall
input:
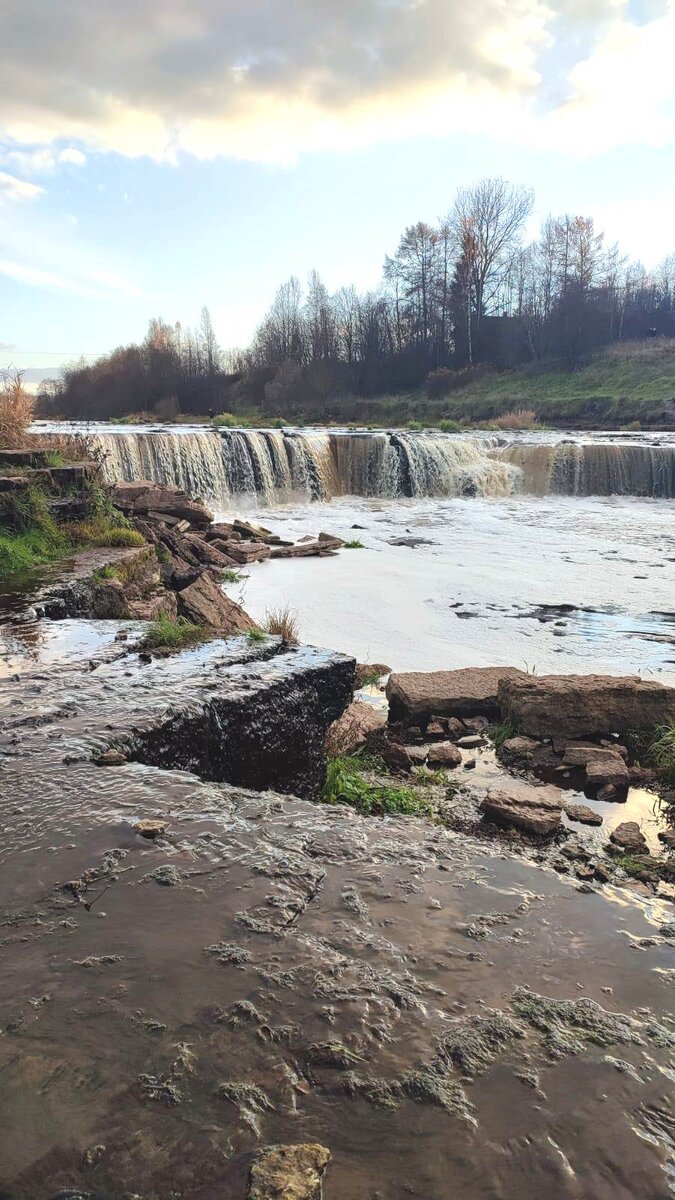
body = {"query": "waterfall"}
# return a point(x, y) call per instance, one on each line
point(242, 466)
point(595, 469)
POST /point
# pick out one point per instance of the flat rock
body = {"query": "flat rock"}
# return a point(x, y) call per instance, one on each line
point(247, 552)
point(535, 809)
point(576, 706)
point(470, 742)
point(628, 836)
point(143, 497)
point(584, 814)
point(608, 769)
point(443, 754)
point(416, 696)
point(288, 1172)
point(110, 758)
point(518, 747)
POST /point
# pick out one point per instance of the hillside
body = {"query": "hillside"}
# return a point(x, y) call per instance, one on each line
point(631, 381)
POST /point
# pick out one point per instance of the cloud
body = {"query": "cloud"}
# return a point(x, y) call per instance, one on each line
point(43, 160)
point(268, 81)
point(96, 284)
point(12, 188)
point(8, 346)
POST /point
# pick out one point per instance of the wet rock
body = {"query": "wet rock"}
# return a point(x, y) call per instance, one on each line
point(403, 758)
point(367, 671)
point(167, 875)
point(248, 552)
point(151, 829)
point(537, 810)
point(608, 769)
point(470, 764)
point(582, 813)
point(628, 836)
point(607, 792)
point(208, 553)
point(353, 728)
point(667, 836)
point(203, 603)
point(435, 729)
point(470, 743)
point(454, 727)
point(143, 497)
point(517, 748)
point(416, 696)
point(577, 706)
point(291, 1172)
point(443, 754)
point(110, 758)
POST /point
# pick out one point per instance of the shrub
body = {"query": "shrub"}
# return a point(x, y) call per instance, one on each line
point(226, 420)
point(16, 410)
point(522, 418)
point(172, 633)
point(353, 544)
point(448, 426)
point(414, 426)
point(284, 622)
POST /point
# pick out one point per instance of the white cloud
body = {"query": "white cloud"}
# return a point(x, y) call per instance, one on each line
point(43, 160)
point(261, 81)
point(97, 285)
point(12, 188)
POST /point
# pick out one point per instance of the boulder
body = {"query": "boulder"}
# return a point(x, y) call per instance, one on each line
point(353, 728)
point(628, 836)
point(203, 603)
point(577, 706)
point(416, 696)
point(443, 754)
point(537, 810)
point(208, 553)
point(144, 497)
point(606, 769)
point(583, 814)
point(403, 758)
point(288, 1172)
point(159, 603)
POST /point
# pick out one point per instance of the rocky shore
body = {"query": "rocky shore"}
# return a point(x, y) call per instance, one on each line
point(237, 961)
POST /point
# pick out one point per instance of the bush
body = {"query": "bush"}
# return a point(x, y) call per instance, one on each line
point(16, 411)
point(226, 420)
point(522, 418)
point(448, 426)
point(284, 623)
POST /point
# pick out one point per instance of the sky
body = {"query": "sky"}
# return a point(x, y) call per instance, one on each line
point(161, 155)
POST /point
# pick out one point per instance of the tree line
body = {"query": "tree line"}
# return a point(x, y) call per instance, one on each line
point(467, 292)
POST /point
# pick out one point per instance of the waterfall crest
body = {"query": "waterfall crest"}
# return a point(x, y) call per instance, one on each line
point(274, 466)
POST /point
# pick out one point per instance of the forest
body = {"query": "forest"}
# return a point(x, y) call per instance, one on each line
point(455, 298)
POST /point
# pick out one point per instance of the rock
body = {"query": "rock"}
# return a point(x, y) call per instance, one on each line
point(208, 553)
point(404, 758)
point(535, 809)
point(470, 764)
point(288, 1172)
point(602, 872)
point(353, 728)
point(639, 775)
point(610, 768)
point(415, 696)
point(151, 829)
point(143, 497)
point(476, 724)
point(470, 743)
point(518, 748)
point(160, 603)
point(607, 792)
point(205, 604)
point(110, 758)
point(443, 754)
point(248, 552)
point(329, 540)
point(435, 729)
point(667, 836)
point(366, 671)
point(577, 706)
point(455, 727)
point(628, 836)
point(582, 813)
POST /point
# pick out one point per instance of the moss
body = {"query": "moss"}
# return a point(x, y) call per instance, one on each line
point(332, 1054)
point(429, 1087)
point(569, 1025)
point(375, 1091)
point(472, 1045)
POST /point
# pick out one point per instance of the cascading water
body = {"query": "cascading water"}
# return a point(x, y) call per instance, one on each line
point(594, 469)
point(274, 466)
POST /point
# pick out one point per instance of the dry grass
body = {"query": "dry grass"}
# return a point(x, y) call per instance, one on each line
point(522, 418)
point(16, 411)
point(644, 349)
point(284, 622)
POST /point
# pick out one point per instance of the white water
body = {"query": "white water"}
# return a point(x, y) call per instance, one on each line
point(496, 560)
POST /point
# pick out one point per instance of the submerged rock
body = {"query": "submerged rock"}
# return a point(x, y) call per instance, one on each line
point(288, 1172)
point(537, 810)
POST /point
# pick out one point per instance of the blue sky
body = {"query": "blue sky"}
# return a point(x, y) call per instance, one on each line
point(220, 148)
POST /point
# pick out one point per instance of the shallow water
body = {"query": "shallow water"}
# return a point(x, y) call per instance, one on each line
point(471, 594)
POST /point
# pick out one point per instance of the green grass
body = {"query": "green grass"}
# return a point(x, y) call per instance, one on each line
point(256, 635)
point(108, 572)
point(345, 784)
point(661, 753)
point(353, 544)
point(172, 633)
point(503, 731)
point(54, 458)
point(28, 533)
point(229, 575)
